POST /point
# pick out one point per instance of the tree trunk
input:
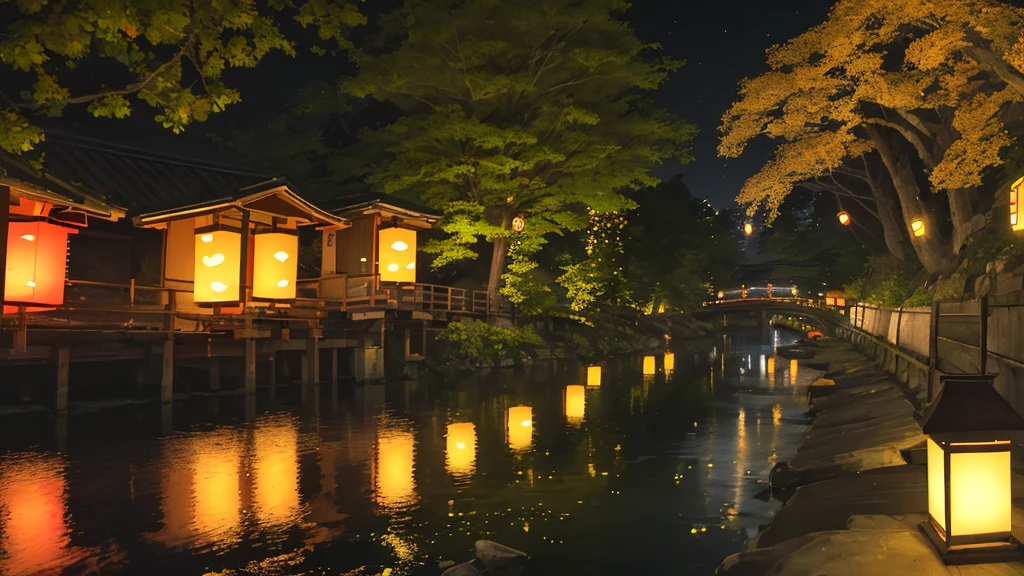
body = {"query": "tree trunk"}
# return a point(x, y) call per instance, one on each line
point(498, 256)
point(886, 207)
point(928, 246)
point(961, 212)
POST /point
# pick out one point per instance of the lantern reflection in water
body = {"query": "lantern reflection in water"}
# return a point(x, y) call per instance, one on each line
point(35, 534)
point(217, 458)
point(460, 449)
point(593, 375)
point(648, 365)
point(770, 366)
point(794, 369)
point(575, 401)
point(393, 481)
point(276, 471)
point(519, 427)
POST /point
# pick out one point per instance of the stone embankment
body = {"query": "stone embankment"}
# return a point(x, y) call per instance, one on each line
point(857, 486)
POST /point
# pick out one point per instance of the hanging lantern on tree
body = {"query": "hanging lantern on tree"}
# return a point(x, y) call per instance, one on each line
point(748, 228)
point(917, 226)
point(844, 218)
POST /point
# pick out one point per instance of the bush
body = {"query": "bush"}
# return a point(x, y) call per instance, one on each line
point(477, 344)
point(886, 281)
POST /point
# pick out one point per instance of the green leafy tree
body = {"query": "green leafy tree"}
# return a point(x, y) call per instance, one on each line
point(170, 54)
point(532, 108)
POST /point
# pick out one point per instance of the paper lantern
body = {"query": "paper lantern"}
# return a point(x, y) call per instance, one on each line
point(397, 255)
point(37, 255)
point(217, 266)
point(969, 429)
point(460, 449)
point(274, 265)
point(670, 361)
point(748, 228)
point(394, 482)
point(276, 472)
point(917, 226)
point(1016, 221)
point(575, 402)
point(844, 218)
point(519, 427)
point(593, 375)
point(649, 366)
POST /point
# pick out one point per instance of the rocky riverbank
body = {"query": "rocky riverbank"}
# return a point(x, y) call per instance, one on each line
point(858, 486)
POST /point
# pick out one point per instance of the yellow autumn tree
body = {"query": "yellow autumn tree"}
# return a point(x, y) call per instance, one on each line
point(912, 78)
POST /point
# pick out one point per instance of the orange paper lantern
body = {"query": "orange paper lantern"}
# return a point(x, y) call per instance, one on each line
point(36, 263)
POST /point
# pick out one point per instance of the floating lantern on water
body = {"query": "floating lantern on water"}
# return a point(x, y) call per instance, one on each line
point(460, 449)
point(575, 401)
point(519, 427)
point(969, 429)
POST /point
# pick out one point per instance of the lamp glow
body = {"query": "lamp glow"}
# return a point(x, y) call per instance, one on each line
point(276, 471)
point(519, 427)
point(844, 218)
point(397, 254)
point(394, 481)
point(28, 237)
point(273, 268)
point(1016, 222)
point(575, 400)
point(593, 375)
point(917, 226)
point(33, 495)
point(770, 365)
point(649, 366)
point(460, 449)
point(670, 361)
point(748, 228)
point(217, 266)
point(969, 480)
point(794, 370)
point(36, 268)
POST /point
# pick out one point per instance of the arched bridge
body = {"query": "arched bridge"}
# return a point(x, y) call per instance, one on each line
point(825, 314)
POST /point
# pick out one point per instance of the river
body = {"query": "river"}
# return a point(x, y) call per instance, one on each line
point(642, 474)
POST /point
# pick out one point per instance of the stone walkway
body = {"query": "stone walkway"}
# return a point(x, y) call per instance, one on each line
point(857, 503)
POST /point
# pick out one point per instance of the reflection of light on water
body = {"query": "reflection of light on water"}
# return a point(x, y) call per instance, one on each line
point(519, 427)
point(215, 486)
point(793, 368)
point(770, 365)
point(777, 414)
point(575, 404)
point(460, 449)
point(761, 365)
point(393, 480)
point(741, 456)
point(276, 469)
point(35, 534)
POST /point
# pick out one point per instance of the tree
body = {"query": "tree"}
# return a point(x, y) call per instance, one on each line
point(532, 108)
point(928, 85)
point(171, 54)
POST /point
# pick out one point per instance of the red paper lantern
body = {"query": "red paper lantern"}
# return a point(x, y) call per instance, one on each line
point(36, 263)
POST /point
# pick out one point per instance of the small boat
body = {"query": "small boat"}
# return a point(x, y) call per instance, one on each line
point(795, 352)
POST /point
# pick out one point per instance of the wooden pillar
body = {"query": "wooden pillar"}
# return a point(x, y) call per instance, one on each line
point(250, 366)
point(334, 367)
point(167, 373)
point(311, 366)
point(63, 368)
point(214, 364)
point(5, 216)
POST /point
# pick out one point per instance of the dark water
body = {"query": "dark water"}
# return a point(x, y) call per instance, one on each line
point(641, 474)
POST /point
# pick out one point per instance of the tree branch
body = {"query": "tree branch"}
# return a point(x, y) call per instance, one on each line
point(909, 135)
point(133, 88)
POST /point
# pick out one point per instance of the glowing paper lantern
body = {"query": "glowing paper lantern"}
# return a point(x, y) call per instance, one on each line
point(593, 375)
point(36, 263)
point(397, 254)
point(460, 449)
point(217, 266)
point(649, 366)
point(575, 400)
point(844, 218)
point(276, 472)
point(519, 427)
point(721, 294)
point(670, 361)
point(394, 482)
point(969, 429)
point(1016, 221)
point(748, 228)
point(274, 265)
point(917, 226)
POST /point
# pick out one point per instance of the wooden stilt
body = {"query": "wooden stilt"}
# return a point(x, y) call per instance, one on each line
point(250, 366)
point(167, 373)
point(311, 372)
point(63, 370)
point(334, 366)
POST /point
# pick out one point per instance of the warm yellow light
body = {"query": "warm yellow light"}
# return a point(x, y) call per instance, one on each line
point(648, 365)
point(519, 427)
point(460, 449)
point(217, 266)
point(770, 365)
point(36, 269)
point(748, 228)
point(721, 295)
point(273, 270)
point(215, 484)
point(844, 218)
point(28, 237)
point(575, 403)
point(670, 361)
point(794, 368)
point(937, 483)
point(593, 375)
point(30, 284)
point(276, 471)
point(1016, 223)
point(918, 227)
point(35, 537)
point(394, 482)
point(979, 492)
point(397, 251)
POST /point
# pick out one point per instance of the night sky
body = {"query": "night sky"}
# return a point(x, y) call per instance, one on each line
point(722, 42)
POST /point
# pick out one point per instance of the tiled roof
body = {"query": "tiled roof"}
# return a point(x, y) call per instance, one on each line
point(347, 204)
